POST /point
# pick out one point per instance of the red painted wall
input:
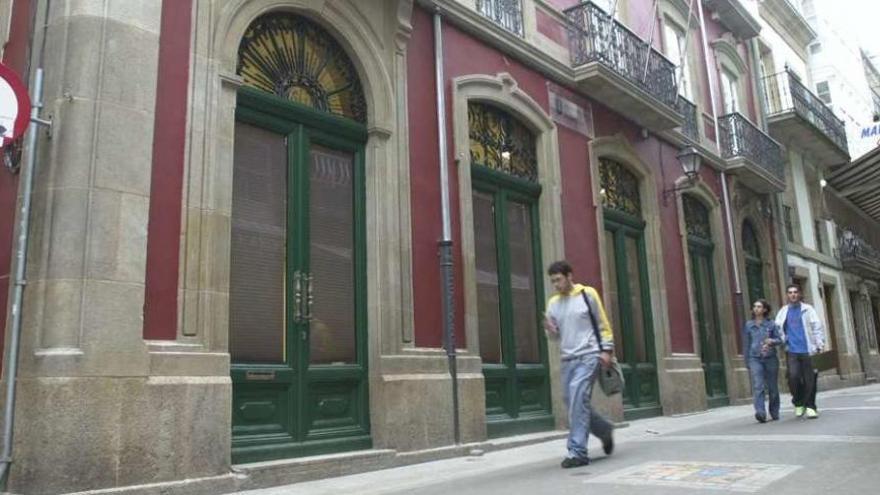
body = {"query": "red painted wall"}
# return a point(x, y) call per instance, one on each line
point(466, 55)
point(549, 27)
point(166, 186)
point(424, 183)
point(563, 4)
point(15, 55)
point(578, 210)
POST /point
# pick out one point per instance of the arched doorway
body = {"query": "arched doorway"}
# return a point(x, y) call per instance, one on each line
point(705, 296)
point(505, 193)
point(754, 265)
point(297, 293)
point(628, 290)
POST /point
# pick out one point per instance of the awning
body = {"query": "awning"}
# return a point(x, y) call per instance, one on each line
point(859, 182)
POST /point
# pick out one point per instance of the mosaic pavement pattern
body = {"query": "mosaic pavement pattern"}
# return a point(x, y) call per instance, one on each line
point(727, 476)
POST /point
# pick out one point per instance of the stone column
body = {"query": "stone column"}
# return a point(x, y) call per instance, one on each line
point(90, 412)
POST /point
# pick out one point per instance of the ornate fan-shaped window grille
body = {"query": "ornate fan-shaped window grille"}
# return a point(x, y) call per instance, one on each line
point(696, 218)
point(500, 142)
point(620, 187)
point(291, 57)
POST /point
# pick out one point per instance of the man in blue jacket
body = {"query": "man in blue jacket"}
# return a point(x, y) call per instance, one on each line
point(804, 335)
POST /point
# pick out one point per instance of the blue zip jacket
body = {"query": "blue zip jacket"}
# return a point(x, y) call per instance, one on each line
point(755, 333)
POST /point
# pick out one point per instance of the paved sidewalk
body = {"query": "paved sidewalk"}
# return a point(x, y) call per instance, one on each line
point(849, 417)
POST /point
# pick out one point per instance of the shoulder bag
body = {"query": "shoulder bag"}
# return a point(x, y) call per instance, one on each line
point(611, 378)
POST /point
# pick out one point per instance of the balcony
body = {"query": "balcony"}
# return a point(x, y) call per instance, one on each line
point(754, 156)
point(505, 13)
point(797, 116)
point(858, 256)
point(691, 119)
point(621, 70)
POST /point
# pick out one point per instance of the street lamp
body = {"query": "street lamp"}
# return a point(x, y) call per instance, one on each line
point(690, 164)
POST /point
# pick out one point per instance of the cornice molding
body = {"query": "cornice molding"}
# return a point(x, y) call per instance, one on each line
point(789, 23)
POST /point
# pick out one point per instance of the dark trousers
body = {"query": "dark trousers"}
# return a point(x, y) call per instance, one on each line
point(801, 381)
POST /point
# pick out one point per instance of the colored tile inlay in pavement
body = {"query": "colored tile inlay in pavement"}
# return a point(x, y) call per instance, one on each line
point(730, 476)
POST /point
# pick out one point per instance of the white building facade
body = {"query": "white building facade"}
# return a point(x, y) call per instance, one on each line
point(815, 138)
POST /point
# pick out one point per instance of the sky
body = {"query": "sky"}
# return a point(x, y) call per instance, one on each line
point(864, 16)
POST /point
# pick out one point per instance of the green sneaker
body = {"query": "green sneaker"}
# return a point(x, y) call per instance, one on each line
point(811, 413)
point(799, 411)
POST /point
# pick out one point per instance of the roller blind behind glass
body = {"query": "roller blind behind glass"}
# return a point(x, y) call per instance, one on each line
point(258, 240)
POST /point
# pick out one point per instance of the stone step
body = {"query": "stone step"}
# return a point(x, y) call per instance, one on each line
point(267, 474)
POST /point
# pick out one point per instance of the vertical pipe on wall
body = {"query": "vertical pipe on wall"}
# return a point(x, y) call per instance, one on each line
point(738, 297)
point(445, 244)
point(24, 214)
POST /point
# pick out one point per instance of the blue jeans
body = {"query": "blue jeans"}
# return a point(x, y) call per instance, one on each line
point(578, 376)
point(765, 378)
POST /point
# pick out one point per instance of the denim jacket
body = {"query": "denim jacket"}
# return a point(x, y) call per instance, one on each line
point(754, 335)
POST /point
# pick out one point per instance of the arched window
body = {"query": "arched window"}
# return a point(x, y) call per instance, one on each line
point(292, 57)
point(732, 72)
point(507, 260)
point(298, 248)
point(676, 44)
point(620, 187)
point(750, 241)
point(696, 218)
point(500, 142)
point(626, 273)
point(754, 265)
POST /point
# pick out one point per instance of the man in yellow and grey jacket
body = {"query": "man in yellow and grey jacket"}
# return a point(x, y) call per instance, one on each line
point(572, 316)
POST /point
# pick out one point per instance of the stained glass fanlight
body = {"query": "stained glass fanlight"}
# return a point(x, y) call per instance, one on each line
point(500, 142)
point(620, 187)
point(294, 58)
point(696, 218)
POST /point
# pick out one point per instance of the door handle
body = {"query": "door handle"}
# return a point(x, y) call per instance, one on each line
point(297, 296)
point(310, 297)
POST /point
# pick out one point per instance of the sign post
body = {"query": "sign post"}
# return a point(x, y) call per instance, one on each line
point(15, 106)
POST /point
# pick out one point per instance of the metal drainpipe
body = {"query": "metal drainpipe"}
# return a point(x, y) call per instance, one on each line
point(445, 244)
point(20, 266)
point(738, 300)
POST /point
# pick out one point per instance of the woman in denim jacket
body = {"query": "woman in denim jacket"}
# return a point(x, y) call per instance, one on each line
point(761, 336)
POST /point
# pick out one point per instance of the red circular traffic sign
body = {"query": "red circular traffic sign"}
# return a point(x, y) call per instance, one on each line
point(15, 106)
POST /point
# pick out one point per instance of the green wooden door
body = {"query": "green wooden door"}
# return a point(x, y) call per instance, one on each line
point(711, 351)
point(700, 250)
point(297, 282)
point(509, 304)
point(632, 321)
point(628, 290)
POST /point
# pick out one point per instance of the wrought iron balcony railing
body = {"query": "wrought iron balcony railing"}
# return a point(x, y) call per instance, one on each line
point(857, 254)
point(785, 93)
point(595, 37)
point(689, 111)
point(505, 13)
point(740, 138)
